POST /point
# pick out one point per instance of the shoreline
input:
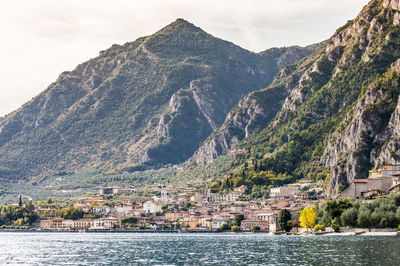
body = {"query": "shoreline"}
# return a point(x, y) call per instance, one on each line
point(361, 234)
point(325, 234)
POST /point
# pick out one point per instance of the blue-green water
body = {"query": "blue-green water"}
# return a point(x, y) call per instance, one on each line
point(195, 249)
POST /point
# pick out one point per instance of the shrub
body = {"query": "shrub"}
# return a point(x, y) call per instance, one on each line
point(235, 228)
point(254, 228)
point(319, 227)
point(225, 226)
point(335, 225)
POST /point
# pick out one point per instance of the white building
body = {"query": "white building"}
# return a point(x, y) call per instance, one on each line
point(264, 216)
point(151, 207)
point(104, 223)
point(224, 197)
point(284, 192)
point(102, 210)
point(205, 222)
point(67, 224)
point(123, 210)
point(218, 222)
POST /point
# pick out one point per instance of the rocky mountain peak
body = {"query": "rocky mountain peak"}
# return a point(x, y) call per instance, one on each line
point(143, 104)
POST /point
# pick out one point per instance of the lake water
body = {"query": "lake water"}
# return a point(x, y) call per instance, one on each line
point(195, 249)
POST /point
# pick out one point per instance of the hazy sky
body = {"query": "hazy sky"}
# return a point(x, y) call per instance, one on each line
point(42, 38)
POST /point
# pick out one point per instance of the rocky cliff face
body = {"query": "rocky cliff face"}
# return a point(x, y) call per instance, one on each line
point(252, 114)
point(337, 116)
point(359, 126)
point(367, 138)
point(148, 102)
point(390, 152)
point(368, 135)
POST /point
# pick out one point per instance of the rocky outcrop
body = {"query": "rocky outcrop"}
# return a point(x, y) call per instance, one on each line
point(394, 4)
point(390, 152)
point(236, 127)
point(252, 114)
point(356, 145)
point(345, 150)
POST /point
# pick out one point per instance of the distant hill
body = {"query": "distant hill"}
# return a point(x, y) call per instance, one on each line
point(140, 105)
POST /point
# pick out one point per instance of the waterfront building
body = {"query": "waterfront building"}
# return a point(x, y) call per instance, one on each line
point(218, 222)
point(108, 223)
point(177, 215)
point(247, 224)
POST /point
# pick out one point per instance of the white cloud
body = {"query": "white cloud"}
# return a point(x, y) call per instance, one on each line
point(42, 38)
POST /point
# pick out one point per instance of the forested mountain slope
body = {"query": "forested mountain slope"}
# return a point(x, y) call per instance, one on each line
point(333, 115)
point(143, 104)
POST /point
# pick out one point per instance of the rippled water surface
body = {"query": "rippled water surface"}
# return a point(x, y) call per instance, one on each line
point(195, 249)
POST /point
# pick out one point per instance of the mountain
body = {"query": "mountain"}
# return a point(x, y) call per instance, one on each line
point(333, 115)
point(143, 104)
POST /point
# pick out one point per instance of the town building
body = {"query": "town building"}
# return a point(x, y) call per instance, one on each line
point(108, 223)
point(101, 210)
point(117, 190)
point(218, 222)
point(151, 207)
point(380, 181)
point(247, 224)
point(226, 197)
point(386, 170)
point(284, 192)
point(178, 215)
point(106, 191)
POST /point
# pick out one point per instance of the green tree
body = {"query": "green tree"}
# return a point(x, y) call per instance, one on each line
point(238, 219)
point(73, 213)
point(214, 187)
point(177, 225)
point(349, 217)
point(284, 220)
point(335, 208)
point(364, 216)
point(128, 222)
point(20, 201)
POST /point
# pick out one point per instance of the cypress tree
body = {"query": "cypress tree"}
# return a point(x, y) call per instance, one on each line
point(20, 201)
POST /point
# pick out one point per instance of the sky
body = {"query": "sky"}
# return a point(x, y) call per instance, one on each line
point(42, 38)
